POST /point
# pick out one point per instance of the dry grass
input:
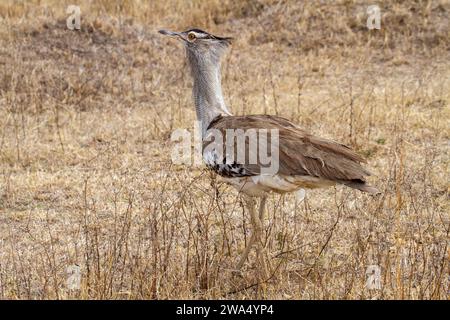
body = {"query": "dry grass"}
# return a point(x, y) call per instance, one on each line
point(86, 176)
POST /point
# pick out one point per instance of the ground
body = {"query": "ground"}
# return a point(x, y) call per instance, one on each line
point(87, 182)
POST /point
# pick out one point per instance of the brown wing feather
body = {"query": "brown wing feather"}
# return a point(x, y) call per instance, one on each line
point(302, 153)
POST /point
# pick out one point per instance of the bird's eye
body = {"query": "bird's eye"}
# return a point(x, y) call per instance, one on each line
point(191, 36)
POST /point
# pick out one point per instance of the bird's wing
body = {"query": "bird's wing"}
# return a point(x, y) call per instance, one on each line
point(300, 153)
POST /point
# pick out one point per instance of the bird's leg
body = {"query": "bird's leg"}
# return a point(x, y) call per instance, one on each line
point(251, 209)
point(262, 210)
point(256, 220)
point(262, 207)
point(260, 250)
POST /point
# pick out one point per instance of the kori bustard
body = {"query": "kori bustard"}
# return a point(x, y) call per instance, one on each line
point(304, 160)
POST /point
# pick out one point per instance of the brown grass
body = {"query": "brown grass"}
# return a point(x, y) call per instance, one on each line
point(86, 176)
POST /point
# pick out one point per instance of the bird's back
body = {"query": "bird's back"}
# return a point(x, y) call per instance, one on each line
point(304, 160)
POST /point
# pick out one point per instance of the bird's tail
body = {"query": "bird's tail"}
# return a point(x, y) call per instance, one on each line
point(360, 185)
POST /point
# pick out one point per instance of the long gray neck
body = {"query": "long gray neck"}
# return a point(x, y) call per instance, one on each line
point(207, 90)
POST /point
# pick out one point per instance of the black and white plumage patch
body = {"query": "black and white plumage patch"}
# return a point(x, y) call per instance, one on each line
point(221, 167)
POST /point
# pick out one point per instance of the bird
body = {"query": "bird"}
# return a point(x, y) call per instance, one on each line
point(304, 161)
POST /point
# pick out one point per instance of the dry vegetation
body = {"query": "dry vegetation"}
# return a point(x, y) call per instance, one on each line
point(86, 176)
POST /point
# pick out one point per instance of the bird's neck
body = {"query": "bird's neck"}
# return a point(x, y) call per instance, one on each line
point(207, 90)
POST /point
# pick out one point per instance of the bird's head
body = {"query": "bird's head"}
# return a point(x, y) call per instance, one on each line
point(200, 43)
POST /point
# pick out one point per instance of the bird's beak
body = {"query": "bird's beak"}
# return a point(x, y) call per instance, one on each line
point(173, 34)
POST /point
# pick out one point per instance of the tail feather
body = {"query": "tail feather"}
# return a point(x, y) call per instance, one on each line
point(362, 186)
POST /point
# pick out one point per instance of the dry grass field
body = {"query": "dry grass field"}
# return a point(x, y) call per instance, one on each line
point(85, 150)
